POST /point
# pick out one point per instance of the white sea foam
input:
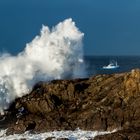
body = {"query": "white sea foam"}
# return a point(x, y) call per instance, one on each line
point(71, 135)
point(54, 54)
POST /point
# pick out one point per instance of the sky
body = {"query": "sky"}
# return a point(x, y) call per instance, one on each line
point(111, 27)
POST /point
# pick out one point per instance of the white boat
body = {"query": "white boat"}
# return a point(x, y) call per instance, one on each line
point(111, 65)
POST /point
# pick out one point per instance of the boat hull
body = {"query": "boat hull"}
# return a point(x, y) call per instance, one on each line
point(110, 67)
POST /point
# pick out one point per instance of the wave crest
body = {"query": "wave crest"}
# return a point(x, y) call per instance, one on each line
point(54, 54)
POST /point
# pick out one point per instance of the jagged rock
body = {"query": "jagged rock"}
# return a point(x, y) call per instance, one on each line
point(102, 102)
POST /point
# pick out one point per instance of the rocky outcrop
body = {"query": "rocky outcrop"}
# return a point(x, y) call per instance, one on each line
point(102, 102)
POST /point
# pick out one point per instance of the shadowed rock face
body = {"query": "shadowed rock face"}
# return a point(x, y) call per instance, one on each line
point(102, 102)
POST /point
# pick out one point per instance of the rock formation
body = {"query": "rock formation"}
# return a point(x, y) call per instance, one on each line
point(102, 102)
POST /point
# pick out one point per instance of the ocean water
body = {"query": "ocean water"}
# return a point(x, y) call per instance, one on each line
point(94, 64)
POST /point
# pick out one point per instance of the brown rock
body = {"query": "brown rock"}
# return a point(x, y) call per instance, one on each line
point(103, 102)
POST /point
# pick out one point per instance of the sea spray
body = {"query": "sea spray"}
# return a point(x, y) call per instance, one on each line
point(71, 135)
point(54, 54)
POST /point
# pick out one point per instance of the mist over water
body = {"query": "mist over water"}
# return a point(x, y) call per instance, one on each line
point(54, 54)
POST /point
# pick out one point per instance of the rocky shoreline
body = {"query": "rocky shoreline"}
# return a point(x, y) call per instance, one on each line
point(102, 102)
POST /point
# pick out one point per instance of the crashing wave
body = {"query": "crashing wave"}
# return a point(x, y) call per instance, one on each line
point(71, 135)
point(54, 54)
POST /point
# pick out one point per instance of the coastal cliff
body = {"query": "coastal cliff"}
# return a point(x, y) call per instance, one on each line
point(102, 102)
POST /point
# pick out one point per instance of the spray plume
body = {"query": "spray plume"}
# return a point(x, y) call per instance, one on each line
point(54, 54)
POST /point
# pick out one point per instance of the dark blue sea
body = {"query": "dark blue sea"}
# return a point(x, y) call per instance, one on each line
point(94, 64)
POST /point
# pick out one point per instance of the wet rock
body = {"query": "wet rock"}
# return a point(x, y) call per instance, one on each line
point(102, 102)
